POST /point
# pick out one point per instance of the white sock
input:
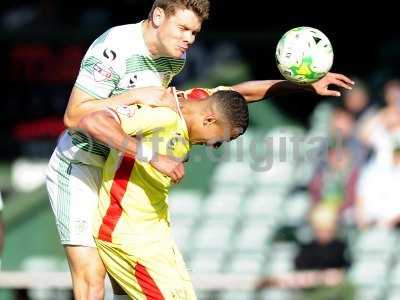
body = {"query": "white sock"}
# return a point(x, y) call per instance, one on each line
point(120, 297)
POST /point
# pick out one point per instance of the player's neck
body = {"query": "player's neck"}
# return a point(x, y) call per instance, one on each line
point(191, 111)
point(150, 38)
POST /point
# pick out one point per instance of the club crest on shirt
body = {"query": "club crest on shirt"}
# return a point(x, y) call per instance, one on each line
point(171, 144)
point(102, 72)
point(125, 111)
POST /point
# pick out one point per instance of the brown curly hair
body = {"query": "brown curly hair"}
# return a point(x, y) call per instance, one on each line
point(200, 7)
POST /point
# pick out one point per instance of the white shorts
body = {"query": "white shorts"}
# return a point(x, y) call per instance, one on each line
point(73, 192)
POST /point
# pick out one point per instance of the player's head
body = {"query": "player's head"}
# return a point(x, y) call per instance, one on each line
point(176, 23)
point(221, 117)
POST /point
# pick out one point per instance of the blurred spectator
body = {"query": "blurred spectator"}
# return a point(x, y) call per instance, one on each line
point(334, 180)
point(321, 262)
point(378, 131)
point(357, 102)
point(378, 202)
point(342, 129)
point(325, 251)
point(1, 229)
point(341, 123)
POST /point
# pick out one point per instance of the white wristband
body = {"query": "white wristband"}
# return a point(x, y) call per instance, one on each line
point(145, 153)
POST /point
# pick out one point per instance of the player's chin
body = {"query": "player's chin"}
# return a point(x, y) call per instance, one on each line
point(179, 52)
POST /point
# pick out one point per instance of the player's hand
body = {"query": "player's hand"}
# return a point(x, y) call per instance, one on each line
point(169, 166)
point(321, 87)
point(154, 96)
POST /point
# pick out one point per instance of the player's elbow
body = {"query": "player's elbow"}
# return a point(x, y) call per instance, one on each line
point(95, 124)
point(71, 117)
point(85, 124)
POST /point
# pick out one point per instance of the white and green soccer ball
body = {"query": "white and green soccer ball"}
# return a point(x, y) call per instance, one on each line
point(304, 55)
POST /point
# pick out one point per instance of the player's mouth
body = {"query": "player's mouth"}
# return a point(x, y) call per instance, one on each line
point(183, 49)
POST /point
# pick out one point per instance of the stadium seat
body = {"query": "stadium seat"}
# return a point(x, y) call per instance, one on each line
point(27, 175)
point(281, 258)
point(214, 234)
point(277, 294)
point(274, 174)
point(375, 241)
point(239, 149)
point(205, 295)
point(243, 263)
point(237, 295)
point(45, 264)
point(284, 139)
point(369, 272)
point(264, 201)
point(394, 293)
point(394, 282)
point(295, 209)
point(226, 174)
point(255, 235)
point(181, 230)
point(369, 293)
point(206, 262)
point(222, 204)
point(185, 203)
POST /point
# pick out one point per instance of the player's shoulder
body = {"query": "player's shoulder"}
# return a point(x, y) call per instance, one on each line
point(119, 35)
point(124, 29)
point(164, 114)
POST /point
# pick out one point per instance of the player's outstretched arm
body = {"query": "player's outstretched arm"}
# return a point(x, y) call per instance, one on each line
point(81, 104)
point(257, 90)
point(103, 125)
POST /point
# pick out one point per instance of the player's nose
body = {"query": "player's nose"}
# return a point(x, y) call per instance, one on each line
point(189, 38)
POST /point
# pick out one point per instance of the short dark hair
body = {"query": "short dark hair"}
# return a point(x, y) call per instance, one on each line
point(234, 108)
point(199, 7)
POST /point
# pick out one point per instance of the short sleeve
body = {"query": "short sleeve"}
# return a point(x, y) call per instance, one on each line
point(100, 68)
point(137, 119)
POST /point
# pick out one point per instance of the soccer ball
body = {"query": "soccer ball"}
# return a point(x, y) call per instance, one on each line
point(304, 55)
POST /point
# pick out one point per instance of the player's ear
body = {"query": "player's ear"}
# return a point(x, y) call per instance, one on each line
point(158, 16)
point(209, 120)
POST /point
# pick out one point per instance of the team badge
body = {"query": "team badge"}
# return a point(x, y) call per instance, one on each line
point(102, 72)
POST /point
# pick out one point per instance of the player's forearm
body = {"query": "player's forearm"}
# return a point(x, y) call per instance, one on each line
point(257, 90)
point(104, 128)
point(80, 108)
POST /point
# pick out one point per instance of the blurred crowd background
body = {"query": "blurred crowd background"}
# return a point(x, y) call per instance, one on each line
point(307, 202)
